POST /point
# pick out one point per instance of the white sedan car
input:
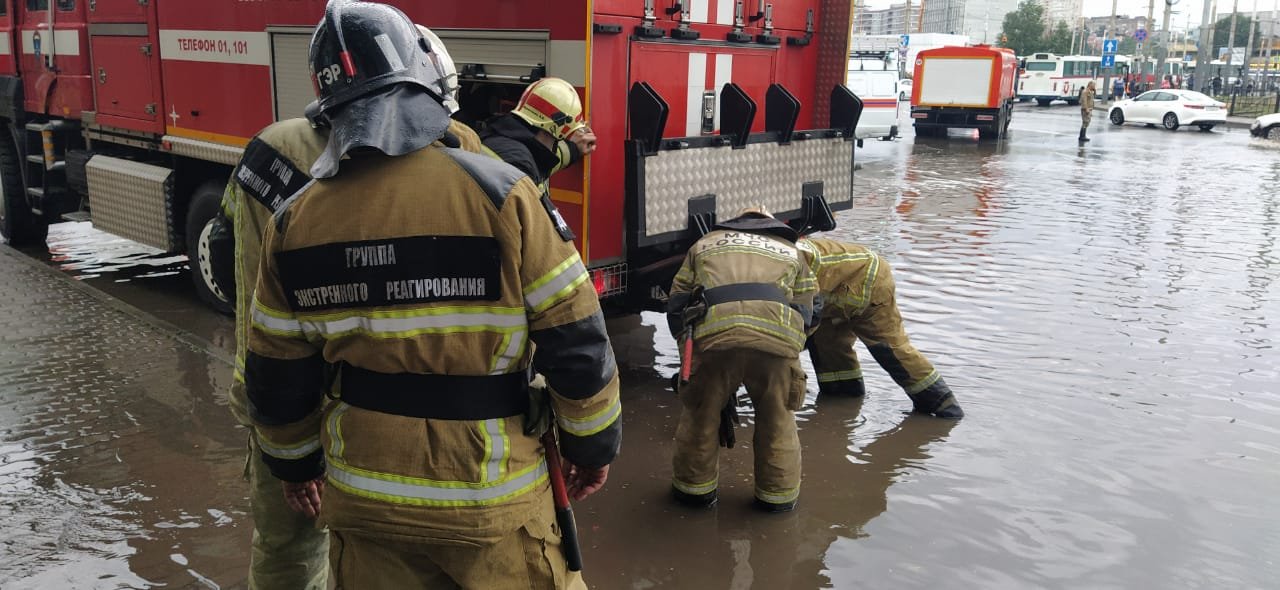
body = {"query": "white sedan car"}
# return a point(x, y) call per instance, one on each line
point(1170, 108)
point(1267, 126)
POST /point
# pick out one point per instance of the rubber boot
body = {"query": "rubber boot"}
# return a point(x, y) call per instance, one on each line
point(937, 400)
point(846, 388)
point(706, 500)
point(772, 508)
point(1083, 137)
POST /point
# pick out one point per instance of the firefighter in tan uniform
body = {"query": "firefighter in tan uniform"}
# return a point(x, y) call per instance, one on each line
point(410, 282)
point(754, 297)
point(544, 133)
point(856, 288)
point(289, 551)
point(1086, 109)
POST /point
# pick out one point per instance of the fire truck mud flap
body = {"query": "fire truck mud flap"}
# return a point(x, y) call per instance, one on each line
point(678, 187)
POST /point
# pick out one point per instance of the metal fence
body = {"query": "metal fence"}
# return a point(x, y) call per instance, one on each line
point(1251, 104)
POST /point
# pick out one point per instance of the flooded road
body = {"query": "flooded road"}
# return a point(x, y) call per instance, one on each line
point(1105, 314)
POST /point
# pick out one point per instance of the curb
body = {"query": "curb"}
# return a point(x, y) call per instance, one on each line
point(117, 305)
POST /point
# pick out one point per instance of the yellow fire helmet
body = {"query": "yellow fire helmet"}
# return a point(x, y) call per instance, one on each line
point(552, 105)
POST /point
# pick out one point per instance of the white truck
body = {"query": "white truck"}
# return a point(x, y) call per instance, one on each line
point(873, 76)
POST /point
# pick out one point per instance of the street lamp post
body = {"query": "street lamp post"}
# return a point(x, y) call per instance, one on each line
point(1248, 47)
point(1204, 45)
point(1231, 35)
point(1163, 54)
point(1111, 31)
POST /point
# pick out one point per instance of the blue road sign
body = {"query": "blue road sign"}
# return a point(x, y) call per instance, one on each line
point(904, 40)
point(1109, 60)
point(1140, 35)
point(1110, 45)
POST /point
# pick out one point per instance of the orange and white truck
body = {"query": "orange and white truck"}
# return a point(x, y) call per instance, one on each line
point(964, 87)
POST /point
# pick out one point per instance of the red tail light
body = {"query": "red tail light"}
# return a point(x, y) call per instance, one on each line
point(1198, 107)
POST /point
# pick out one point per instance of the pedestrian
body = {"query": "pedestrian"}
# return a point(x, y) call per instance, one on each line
point(1217, 85)
point(1166, 83)
point(1086, 109)
point(1191, 81)
point(858, 297)
point(545, 133)
point(1117, 90)
point(409, 282)
point(289, 551)
point(745, 298)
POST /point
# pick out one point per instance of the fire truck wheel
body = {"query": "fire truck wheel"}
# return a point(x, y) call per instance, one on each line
point(205, 203)
point(18, 225)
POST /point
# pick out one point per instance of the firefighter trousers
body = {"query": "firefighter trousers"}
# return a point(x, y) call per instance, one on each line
point(289, 552)
point(879, 326)
point(530, 558)
point(776, 387)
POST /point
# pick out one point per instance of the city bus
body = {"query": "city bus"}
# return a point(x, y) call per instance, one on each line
point(1048, 77)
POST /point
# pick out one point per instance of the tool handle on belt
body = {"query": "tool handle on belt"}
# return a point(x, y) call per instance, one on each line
point(686, 358)
point(564, 512)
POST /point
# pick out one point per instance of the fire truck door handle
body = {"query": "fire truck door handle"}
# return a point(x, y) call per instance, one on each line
point(102, 75)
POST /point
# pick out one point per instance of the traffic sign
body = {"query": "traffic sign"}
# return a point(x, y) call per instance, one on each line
point(1110, 45)
point(1138, 47)
point(904, 40)
point(1140, 35)
point(1109, 60)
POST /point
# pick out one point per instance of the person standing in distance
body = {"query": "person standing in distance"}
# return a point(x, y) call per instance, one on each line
point(1086, 108)
point(409, 283)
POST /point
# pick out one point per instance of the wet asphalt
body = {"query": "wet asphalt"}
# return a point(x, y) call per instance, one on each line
point(1102, 310)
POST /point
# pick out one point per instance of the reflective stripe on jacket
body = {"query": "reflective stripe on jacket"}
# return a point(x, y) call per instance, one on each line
point(846, 274)
point(731, 257)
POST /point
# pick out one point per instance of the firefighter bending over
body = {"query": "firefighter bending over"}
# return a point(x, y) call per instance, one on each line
point(410, 280)
point(545, 132)
point(857, 292)
point(289, 552)
point(745, 297)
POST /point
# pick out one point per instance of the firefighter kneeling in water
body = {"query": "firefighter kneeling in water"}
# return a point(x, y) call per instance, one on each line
point(857, 292)
point(745, 296)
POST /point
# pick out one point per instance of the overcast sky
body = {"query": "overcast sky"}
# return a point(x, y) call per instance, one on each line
point(1139, 7)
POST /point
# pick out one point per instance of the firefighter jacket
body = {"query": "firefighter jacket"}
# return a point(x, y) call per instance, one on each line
point(1086, 100)
point(513, 141)
point(846, 275)
point(273, 168)
point(757, 290)
point(418, 285)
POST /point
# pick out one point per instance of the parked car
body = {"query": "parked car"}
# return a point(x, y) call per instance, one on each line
point(904, 89)
point(1267, 126)
point(1170, 108)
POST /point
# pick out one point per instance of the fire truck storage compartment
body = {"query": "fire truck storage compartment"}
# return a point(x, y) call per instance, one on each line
point(134, 201)
point(291, 74)
point(118, 11)
point(505, 56)
point(125, 76)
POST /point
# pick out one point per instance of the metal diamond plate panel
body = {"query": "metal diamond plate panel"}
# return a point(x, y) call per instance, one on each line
point(762, 174)
point(204, 150)
point(130, 199)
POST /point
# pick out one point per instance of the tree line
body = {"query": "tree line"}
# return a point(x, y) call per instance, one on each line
point(1025, 33)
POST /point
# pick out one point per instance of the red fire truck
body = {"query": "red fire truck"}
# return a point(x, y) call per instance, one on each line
point(133, 112)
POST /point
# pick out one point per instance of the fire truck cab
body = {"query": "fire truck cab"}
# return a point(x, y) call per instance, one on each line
point(132, 113)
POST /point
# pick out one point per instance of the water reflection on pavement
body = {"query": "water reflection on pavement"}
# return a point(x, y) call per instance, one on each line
point(1104, 313)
